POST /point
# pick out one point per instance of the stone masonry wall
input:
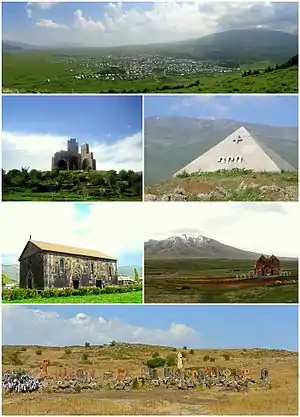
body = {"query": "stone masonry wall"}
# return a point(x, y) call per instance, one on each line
point(77, 268)
point(32, 268)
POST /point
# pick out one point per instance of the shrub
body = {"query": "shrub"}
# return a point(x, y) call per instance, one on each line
point(23, 348)
point(68, 352)
point(15, 358)
point(174, 350)
point(156, 362)
point(24, 293)
point(192, 351)
point(87, 344)
point(212, 359)
point(155, 355)
point(226, 357)
point(205, 358)
point(38, 352)
point(184, 348)
point(135, 384)
point(84, 356)
point(171, 360)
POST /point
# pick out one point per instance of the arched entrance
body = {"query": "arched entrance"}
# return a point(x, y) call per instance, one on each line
point(62, 165)
point(85, 164)
point(73, 163)
point(75, 284)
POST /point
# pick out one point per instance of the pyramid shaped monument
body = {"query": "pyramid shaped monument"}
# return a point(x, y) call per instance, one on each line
point(238, 150)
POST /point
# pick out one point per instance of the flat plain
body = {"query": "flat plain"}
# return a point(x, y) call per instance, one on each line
point(214, 281)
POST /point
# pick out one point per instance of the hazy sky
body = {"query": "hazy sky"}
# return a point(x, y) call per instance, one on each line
point(34, 128)
point(259, 227)
point(263, 109)
point(112, 228)
point(104, 24)
point(274, 327)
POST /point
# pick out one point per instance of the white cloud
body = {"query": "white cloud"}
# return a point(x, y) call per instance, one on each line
point(112, 228)
point(50, 24)
point(31, 7)
point(36, 150)
point(173, 21)
point(259, 227)
point(82, 23)
point(52, 329)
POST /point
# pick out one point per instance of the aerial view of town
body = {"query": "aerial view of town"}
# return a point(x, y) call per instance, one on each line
point(215, 49)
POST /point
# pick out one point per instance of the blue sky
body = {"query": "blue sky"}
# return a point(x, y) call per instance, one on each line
point(269, 110)
point(35, 127)
point(105, 24)
point(83, 117)
point(274, 327)
point(98, 226)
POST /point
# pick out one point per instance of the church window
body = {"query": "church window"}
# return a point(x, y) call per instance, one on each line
point(61, 266)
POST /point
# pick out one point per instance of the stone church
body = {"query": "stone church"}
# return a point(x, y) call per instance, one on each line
point(48, 265)
point(267, 266)
point(72, 160)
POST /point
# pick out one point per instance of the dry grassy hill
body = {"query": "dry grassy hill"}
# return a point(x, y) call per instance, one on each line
point(281, 398)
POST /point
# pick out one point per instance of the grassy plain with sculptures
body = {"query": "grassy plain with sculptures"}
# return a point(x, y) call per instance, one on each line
point(279, 398)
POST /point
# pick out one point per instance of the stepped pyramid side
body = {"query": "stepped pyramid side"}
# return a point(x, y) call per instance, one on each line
point(238, 150)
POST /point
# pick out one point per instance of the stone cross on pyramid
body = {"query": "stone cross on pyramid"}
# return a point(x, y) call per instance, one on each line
point(238, 150)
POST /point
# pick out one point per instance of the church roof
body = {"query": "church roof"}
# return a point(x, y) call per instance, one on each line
point(70, 250)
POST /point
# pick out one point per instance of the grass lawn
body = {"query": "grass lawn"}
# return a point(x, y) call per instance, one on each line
point(14, 196)
point(117, 298)
point(27, 72)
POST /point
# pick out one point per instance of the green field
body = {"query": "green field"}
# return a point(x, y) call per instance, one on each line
point(61, 185)
point(164, 277)
point(116, 298)
point(231, 185)
point(28, 72)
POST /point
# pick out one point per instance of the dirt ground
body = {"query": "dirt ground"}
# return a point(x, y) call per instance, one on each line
point(280, 399)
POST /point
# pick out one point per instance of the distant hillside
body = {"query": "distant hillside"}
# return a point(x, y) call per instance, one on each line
point(173, 142)
point(231, 46)
point(128, 270)
point(243, 46)
point(12, 271)
point(196, 246)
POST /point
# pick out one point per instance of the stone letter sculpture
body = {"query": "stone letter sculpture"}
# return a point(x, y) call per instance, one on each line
point(179, 361)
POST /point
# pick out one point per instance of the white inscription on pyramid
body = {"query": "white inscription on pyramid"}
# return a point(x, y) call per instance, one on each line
point(238, 150)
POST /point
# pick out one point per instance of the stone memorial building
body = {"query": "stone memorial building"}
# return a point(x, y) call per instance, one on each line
point(266, 266)
point(49, 265)
point(73, 160)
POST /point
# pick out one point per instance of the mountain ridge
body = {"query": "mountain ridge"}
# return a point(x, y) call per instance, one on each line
point(197, 246)
point(235, 45)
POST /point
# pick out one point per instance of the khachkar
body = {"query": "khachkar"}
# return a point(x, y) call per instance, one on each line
point(72, 160)
point(238, 150)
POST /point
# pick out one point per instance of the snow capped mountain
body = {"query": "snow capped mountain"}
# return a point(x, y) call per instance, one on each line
point(189, 245)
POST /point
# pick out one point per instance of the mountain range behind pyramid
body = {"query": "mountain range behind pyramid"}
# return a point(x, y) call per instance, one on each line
point(238, 150)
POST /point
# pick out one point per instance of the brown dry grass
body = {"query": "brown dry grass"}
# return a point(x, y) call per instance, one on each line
point(281, 398)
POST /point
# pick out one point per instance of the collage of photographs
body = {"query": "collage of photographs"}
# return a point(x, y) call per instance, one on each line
point(149, 208)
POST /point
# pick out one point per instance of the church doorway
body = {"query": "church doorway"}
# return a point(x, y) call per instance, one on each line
point(74, 164)
point(30, 283)
point(99, 283)
point(75, 284)
point(85, 164)
point(62, 165)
